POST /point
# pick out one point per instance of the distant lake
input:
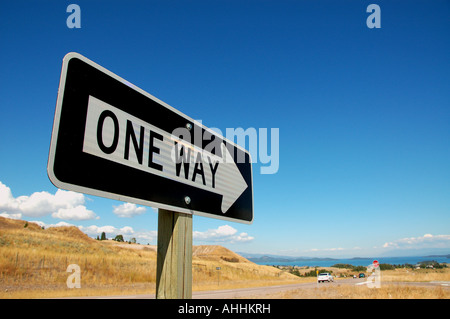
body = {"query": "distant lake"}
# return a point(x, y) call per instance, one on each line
point(355, 261)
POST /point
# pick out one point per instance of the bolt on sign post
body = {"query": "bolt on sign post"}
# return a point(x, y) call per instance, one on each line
point(112, 139)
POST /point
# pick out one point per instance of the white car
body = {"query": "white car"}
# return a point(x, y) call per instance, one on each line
point(325, 276)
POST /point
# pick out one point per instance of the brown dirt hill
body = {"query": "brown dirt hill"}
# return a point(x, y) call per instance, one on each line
point(71, 232)
point(205, 252)
point(8, 223)
point(216, 252)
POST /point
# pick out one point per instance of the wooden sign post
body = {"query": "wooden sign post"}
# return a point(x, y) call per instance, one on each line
point(174, 255)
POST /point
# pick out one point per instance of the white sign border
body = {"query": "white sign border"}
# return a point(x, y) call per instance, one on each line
point(114, 196)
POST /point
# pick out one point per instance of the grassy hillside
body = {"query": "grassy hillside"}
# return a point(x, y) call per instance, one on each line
point(33, 263)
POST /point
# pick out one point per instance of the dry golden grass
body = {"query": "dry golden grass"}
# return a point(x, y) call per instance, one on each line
point(415, 275)
point(395, 284)
point(236, 274)
point(33, 264)
point(386, 291)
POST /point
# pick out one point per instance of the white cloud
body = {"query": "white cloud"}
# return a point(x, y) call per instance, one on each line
point(145, 237)
point(76, 213)
point(60, 224)
point(12, 216)
point(128, 210)
point(425, 241)
point(128, 232)
point(94, 230)
point(222, 234)
point(63, 204)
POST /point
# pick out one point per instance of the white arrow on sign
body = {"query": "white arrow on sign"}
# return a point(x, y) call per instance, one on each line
point(115, 135)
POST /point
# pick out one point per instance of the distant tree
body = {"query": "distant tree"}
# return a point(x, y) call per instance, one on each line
point(119, 238)
point(103, 237)
point(360, 268)
point(133, 240)
point(311, 273)
point(387, 267)
point(431, 264)
point(296, 272)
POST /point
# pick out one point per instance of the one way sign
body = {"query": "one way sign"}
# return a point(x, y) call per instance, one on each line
point(114, 140)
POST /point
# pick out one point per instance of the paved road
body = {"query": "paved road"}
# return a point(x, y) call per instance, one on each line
point(261, 291)
point(236, 293)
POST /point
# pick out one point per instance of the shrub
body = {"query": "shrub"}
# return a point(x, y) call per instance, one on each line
point(119, 238)
point(387, 267)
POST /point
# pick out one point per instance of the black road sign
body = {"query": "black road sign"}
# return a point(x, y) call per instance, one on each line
point(114, 140)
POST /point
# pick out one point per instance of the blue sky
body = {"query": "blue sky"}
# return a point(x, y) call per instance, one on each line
point(363, 114)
